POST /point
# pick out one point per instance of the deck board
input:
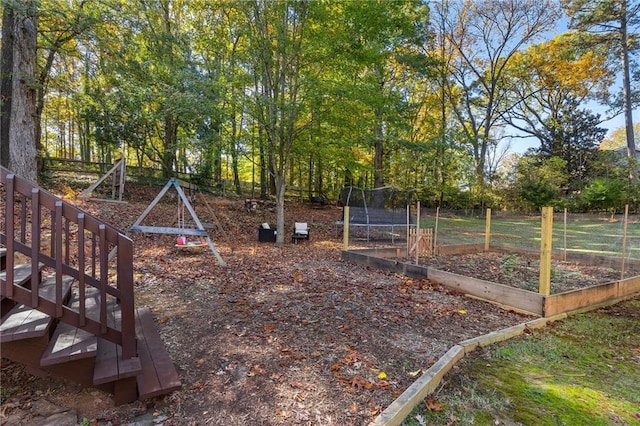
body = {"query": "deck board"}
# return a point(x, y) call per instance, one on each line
point(159, 375)
point(69, 343)
point(110, 366)
point(22, 322)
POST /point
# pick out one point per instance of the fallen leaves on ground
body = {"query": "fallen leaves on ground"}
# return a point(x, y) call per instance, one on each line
point(286, 334)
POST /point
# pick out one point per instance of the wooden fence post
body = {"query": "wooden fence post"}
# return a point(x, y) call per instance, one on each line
point(487, 230)
point(418, 233)
point(624, 239)
point(564, 234)
point(408, 230)
point(345, 229)
point(545, 250)
point(435, 231)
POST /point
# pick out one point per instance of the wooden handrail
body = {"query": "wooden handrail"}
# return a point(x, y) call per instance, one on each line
point(68, 241)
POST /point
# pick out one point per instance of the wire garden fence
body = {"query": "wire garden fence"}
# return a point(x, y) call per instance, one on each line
point(614, 236)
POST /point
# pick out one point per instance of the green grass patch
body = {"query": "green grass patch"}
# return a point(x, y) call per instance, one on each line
point(582, 370)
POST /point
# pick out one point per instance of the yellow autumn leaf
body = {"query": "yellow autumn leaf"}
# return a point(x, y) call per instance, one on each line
point(415, 373)
point(382, 375)
point(462, 312)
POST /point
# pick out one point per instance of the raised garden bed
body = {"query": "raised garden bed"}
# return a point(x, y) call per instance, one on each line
point(509, 278)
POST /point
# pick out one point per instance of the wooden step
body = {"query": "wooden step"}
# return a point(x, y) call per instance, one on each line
point(23, 322)
point(3, 258)
point(69, 343)
point(158, 376)
point(21, 273)
point(110, 366)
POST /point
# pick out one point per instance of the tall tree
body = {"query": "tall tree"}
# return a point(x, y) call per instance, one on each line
point(485, 35)
point(572, 135)
point(386, 41)
point(6, 71)
point(277, 34)
point(613, 22)
point(61, 23)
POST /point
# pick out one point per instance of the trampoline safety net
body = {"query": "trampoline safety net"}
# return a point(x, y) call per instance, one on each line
point(384, 208)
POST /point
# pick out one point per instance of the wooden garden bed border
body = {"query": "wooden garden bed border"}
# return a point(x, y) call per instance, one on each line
point(509, 297)
point(550, 308)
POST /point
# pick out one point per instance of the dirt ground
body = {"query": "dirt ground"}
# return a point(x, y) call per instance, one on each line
point(283, 335)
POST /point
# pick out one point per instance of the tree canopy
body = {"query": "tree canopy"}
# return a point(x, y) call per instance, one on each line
point(315, 95)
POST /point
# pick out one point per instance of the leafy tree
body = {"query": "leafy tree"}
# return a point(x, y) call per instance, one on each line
point(572, 135)
point(612, 21)
point(61, 26)
point(277, 35)
point(617, 138)
point(552, 77)
point(604, 194)
point(484, 37)
point(539, 181)
point(383, 42)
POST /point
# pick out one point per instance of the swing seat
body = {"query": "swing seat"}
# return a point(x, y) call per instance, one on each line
point(181, 242)
point(192, 244)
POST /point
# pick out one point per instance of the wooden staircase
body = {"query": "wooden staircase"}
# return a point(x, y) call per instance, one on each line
point(66, 298)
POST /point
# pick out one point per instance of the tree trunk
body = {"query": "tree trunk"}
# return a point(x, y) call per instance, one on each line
point(281, 187)
point(169, 154)
point(378, 161)
point(22, 143)
point(626, 89)
point(6, 71)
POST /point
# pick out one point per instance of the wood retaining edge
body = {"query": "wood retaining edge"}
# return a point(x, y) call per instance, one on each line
point(423, 386)
point(503, 295)
point(402, 406)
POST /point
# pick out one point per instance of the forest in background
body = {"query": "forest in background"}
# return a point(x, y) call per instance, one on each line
point(322, 94)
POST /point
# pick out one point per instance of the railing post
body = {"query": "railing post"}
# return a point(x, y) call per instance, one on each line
point(58, 251)
point(9, 231)
point(81, 271)
point(104, 275)
point(35, 245)
point(127, 303)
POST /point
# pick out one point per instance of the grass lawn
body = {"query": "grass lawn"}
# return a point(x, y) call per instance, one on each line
point(584, 370)
point(590, 235)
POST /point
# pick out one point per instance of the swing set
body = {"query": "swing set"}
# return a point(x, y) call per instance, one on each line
point(183, 232)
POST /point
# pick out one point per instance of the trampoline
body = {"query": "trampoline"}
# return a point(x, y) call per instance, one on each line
point(387, 208)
